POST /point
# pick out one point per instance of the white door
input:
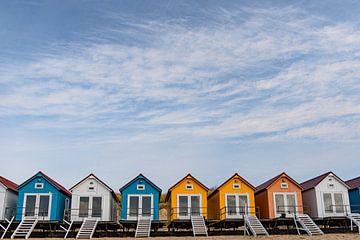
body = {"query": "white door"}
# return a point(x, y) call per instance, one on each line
point(285, 203)
point(37, 205)
point(90, 207)
point(188, 205)
point(236, 205)
point(333, 204)
point(140, 205)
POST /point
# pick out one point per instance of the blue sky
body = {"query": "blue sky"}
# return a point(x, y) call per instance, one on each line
point(171, 87)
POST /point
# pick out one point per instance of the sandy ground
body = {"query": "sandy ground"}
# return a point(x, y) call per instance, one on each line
point(350, 236)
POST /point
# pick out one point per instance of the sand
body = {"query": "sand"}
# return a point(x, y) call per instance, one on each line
point(350, 236)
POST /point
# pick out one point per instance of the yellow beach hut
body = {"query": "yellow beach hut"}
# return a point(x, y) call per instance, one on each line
point(188, 197)
point(232, 200)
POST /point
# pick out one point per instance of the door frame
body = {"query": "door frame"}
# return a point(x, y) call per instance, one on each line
point(90, 209)
point(334, 213)
point(37, 204)
point(189, 205)
point(140, 196)
point(237, 215)
point(285, 203)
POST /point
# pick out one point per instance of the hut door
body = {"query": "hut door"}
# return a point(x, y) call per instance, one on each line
point(133, 207)
point(30, 205)
point(236, 205)
point(333, 203)
point(285, 203)
point(140, 205)
point(183, 207)
point(146, 206)
point(84, 207)
point(188, 205)
point(96, 207)
point(37, 205)
point(195, 206)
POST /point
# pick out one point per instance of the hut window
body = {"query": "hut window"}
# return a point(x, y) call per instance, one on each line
point(330, 185)
point(189, 187)
point(39, 185)
point(236, 186)
point(91, 186)
point(140, 187)
point(284, 185)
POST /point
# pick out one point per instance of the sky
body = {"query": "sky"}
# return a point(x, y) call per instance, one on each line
point(167, 88)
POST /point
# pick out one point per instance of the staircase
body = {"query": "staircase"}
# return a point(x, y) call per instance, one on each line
point(254, 225)
point(87, 228)
point(307, 225)
point(25, 228)
point(198, 226)
point(355, 219)
point(143, 227)
point(67, 230)
point(5, 229)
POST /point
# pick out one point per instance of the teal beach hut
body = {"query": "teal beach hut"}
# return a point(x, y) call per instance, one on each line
point(43, 198)
point(354, 194)
point(140, 198)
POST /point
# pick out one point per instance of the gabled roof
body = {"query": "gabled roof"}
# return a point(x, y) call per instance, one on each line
point(310, 184)
point(51, 181)
point(101, 182)
point(188, 175)
point(235, 175)
point(353, 183)
point(268, 183)
point(143, 177)
point(8, 184)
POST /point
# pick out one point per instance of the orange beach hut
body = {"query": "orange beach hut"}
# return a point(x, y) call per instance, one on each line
point(279, 196)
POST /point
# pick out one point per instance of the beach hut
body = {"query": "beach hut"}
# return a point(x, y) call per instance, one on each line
point(140, 198)
point(42, 198)
point(232, 200)
point(279, 197)
point(8, 198)
point(186, 198)
point(354, 194)
point(325, 196)
point(92, 198)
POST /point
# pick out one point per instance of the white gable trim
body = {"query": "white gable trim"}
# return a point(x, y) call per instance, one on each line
point(337, 179)
point(90, 177)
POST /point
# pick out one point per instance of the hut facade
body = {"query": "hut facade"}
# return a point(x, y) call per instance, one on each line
point(186, 198)
point(43, 198)
point(279, 196)
point(140, 198)
point(92, 198)
point(8, 198)
point(354, 194)
point(325, 196)
point(232, 199)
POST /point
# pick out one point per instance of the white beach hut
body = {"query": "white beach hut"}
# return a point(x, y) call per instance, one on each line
point(325, 196)
point(8, 198)
point(92, 198)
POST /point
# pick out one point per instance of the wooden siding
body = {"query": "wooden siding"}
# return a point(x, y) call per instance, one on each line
point(131, 189)
point(180, 189)
point(266, 204)
point(58, 198)
point(217, 202)
point(108, 209)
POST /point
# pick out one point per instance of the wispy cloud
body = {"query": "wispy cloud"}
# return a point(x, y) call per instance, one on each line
point(279, 74)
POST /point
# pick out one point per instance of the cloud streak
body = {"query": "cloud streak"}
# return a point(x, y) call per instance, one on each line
point(251, 73)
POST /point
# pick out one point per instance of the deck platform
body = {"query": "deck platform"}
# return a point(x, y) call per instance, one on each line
point(278, 226)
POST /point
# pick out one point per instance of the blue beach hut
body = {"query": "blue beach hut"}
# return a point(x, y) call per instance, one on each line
point(140, 197)
point(43, 198)
point(354, 194)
